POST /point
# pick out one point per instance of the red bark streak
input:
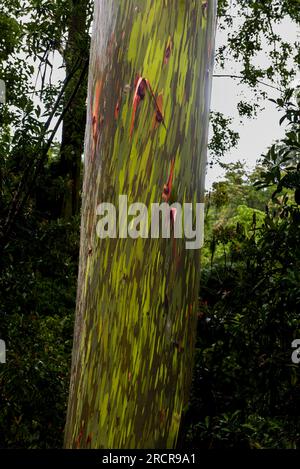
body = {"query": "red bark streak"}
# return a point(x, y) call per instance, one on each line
point(112, 43)
point(158, 109)
point(158, 116)
point(173, 215)
point(79, 439)
point(141, 86)
point(139, 95)
point(117, 109)
point(162, 416)
point(168, 51)
point(95, 114)
point(168, 187)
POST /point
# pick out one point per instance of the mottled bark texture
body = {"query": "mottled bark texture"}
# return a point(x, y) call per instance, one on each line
point(137, 299)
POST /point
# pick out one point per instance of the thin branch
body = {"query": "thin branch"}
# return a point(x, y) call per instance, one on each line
point(61, 94)
point(18, 203)
point(240, 77)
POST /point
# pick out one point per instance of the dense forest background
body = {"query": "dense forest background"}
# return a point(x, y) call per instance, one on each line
point(246, 389)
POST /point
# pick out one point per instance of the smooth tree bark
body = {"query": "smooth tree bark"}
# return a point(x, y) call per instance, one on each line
point(148, 108)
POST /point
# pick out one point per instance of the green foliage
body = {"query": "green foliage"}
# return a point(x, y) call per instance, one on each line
point(38, 290)
point(37, 96)
point(39, 252)
point(10, 32)
point(264, 58)
point(246, 388)
point(224, 138)
point(256, 30)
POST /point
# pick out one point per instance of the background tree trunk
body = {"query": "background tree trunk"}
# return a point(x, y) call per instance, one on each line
point(75, 55)
point(137, 299)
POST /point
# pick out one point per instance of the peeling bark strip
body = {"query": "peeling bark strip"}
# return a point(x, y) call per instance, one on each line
point(137, 299)
point(168, 187)
point(168, 51)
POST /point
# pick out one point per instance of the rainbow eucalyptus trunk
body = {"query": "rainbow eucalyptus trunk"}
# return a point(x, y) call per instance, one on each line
point(148, 107)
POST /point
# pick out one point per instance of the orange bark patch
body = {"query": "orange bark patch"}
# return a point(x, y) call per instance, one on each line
point(162, 416)
point(158, 116)
point(139, 95)
point(95, 114)
point(168, 51)
point(79, 438)
point(117, 109)
point(168, 186)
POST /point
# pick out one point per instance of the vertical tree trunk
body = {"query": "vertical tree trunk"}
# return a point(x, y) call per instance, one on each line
point(71, 149)
point(137, 299)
